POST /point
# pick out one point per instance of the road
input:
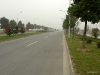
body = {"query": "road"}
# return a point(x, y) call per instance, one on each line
point(42, 54)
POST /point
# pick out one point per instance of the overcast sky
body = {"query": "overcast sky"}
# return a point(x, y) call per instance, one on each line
point(47, 11)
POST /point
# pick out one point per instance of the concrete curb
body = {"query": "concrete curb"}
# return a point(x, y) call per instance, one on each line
point(69, 57)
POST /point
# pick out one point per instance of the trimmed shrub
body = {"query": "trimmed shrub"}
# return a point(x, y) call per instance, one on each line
point(88, 41)
point(98, 44)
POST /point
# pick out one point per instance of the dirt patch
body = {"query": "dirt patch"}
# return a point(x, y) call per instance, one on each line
point(83, 49)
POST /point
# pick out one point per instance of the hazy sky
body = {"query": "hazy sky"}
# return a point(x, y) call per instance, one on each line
point(47, 11)
point(81, 26)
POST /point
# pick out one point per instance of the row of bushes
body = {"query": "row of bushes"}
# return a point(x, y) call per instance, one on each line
point(89, 41)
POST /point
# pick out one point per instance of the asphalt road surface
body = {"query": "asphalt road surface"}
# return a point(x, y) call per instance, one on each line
point(41, 54)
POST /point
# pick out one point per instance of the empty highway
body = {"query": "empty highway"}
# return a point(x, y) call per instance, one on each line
point(42, 54)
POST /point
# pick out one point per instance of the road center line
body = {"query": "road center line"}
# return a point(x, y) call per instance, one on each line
point(32, 43)
point(35, 42)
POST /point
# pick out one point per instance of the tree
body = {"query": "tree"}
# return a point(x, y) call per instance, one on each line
point(95, 32)
point(46, 29)
point(13, 23)
point(20, 24)
point(28, 25)
point(86, 10)
point(4, 21)
point(8, 30)
point(66, 24)
point(32, 26)
point(15, 30)
point(22, 30)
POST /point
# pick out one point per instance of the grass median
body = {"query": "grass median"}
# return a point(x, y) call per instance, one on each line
point(85, 62)
point(6, 37)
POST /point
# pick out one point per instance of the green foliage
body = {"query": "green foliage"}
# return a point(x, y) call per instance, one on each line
point(86, 10)
point(85, 61)
point(22, 30)
point(88, 41)
point(4, 21)
point(4, 38)
point(98, 44)
point(9, 32)
point(76, 1)
point(13, 23)
point(95, 32)
point(73, 20)
point(46, 29)
point(66, 22)
point(15, 30)
point(29, 25)
point(20, 24)
point(32, 26)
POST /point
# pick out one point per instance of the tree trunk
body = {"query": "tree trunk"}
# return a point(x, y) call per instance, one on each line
point(73, 33)
point(84, 35)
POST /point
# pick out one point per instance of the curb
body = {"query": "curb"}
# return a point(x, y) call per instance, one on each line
point(70, 62)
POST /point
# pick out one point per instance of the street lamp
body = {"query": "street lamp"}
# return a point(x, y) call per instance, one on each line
point(69, 21)
point(64, 12)
point(34, 22)
point(35, 19)
point(17, 16)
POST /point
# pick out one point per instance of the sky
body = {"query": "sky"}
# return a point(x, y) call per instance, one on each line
point(40, 12)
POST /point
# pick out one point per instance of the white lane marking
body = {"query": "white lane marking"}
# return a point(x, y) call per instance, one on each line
point(35, 42)
point(7, 41)
point(29, 44)
point(32, 43)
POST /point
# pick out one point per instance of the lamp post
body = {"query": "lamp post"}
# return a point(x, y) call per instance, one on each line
point(35, 19)
point(34, 22)
point(63, 12)
point(69, 19)
point(17, 16)
point(69, 22)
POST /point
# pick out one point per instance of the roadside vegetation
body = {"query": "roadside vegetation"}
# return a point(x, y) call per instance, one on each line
point(5, 38)
point(12, 27)
point(85, 61)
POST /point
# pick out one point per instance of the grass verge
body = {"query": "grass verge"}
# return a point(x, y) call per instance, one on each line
point(5, 38)
point(84, 62)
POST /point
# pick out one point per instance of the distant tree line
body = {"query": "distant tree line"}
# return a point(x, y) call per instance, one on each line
point(11, 26)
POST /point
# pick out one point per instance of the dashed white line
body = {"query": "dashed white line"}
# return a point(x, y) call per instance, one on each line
point(32, 43)
point(35, 42)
